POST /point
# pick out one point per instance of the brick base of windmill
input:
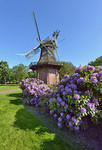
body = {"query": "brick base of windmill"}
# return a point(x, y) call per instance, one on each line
point(49, 73)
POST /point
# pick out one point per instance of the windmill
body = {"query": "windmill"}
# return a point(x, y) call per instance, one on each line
point(47, 66)
point(53, 42)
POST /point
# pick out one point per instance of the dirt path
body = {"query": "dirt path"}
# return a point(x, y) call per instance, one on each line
point(9, 90)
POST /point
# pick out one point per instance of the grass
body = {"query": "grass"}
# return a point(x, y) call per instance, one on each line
point(4, 87)
point(20, 130)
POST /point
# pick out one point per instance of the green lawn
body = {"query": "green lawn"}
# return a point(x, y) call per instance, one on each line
point(8, 87)
point(20, 130)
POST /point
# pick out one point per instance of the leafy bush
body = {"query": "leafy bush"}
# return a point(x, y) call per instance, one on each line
point(75, 103)
point(34, 90)
point(67, 68)
point(97, 62)
point(78, 98)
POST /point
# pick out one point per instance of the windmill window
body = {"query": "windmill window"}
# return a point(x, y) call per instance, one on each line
point(43, 79)
point(43, 71)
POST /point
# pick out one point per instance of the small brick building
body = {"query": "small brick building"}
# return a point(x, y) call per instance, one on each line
point(47, 66)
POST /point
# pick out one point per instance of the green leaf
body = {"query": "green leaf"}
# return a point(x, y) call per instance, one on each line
point(101, 113)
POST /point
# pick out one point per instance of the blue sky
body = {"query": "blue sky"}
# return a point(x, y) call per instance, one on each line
point(80, 23)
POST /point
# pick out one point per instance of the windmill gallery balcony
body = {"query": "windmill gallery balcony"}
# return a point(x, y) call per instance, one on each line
point(32, 64)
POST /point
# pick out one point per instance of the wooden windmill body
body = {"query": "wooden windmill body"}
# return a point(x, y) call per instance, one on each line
point(47, 66)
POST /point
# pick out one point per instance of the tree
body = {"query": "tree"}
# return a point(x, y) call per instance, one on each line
point(97, 62)
point(19, 73)
point(67, 68)
point(32, 74)
point(4, 72)
point(12, 77)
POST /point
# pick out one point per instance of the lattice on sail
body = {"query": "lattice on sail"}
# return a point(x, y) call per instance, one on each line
point(57, 53)
point(33, 52)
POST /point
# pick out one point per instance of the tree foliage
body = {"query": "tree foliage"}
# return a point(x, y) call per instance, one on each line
point(32, 74)
point(19, 72)
point(14, 75)
point(67, 68)
point(97, 62)
point(4, 72)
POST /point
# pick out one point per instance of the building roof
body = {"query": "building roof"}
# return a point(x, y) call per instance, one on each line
point(47, 56)
point(45, 64)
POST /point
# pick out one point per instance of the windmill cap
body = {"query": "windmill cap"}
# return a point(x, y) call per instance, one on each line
point(49, 43)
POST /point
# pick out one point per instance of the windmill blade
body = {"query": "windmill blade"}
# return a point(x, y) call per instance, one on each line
point(56, 34)
point(57, 53)
point(56, 48)
point(32, 52)
point(61, 40)
point(36, 26)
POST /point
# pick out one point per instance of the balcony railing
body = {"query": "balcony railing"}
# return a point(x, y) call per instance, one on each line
point(32, 63)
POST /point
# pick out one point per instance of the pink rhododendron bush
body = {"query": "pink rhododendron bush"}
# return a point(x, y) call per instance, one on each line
point(76, 103)
point(34, 90)
point(78, 100)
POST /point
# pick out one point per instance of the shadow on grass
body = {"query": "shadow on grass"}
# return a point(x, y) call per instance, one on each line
point(26, 121)
point(18, 97)
point(56, 144)
point(16, 102)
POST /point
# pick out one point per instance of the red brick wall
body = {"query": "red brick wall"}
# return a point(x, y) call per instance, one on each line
point(43, 72)
point(53, 76)
point(49, 75)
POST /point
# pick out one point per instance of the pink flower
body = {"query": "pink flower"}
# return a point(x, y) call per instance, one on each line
point(59, 119)
point(95, 100)
point(63, 103)
point(83, 110)
point(70, 124)
point(68, 116)
point(74, 119)
point(77, 96)
point(76, 128)
point(59, 124)
point(51, 111)
point(55, 115)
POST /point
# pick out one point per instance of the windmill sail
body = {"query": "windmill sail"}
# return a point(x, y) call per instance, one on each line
point(32, 52)
point(36, 26)
point(55, 36)
point(61, 40)
point(57, 53)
